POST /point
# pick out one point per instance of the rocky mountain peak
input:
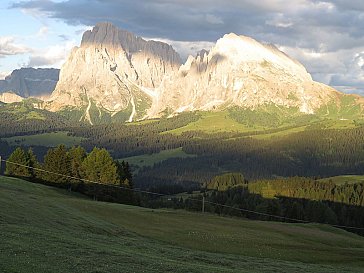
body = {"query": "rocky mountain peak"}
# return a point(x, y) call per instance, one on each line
point(107, 35)
point(240, 71)
point(115, 71)
point(121, 73)
point(30, 82)
point(243, 49)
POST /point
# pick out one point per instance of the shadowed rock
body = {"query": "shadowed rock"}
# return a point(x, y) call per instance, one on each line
point(30, 82)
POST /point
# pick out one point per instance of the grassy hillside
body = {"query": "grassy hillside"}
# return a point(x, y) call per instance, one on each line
point(213, 122)
point(342, 179)
point(151, 159)
point(44, 229)
point(46, 139)
point(284, 121)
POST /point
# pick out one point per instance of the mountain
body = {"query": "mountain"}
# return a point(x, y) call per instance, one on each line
point(10, 97)
point(239, 71)
point(114, 71)
point(30, 82)
point(118, 74)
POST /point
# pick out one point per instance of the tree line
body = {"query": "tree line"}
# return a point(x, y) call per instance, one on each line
point(292, 198)
point(95, 174)
point(308, 188)
point(314, 152)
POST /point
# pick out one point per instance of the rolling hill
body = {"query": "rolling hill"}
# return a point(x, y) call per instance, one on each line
point(44, 229)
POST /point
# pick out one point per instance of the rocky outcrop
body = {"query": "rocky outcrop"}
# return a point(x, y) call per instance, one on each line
point(239, 71)
point(10, 98)
point(30, 82)
point(114, 70)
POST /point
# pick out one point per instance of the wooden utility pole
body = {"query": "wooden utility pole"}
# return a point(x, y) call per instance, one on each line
point(203, 203)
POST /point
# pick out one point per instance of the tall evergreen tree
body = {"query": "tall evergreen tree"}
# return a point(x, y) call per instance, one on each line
point(19, 156)
point(100, 167)
point(57, 161)
point(76, 155)
point(125, 174)
point(34, 164)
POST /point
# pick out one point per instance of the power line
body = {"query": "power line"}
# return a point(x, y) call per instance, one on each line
point(81, 179)
point(168, 195)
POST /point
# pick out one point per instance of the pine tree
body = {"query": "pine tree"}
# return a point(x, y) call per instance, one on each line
point(34, 164)
point(19, 156)
point(125, 174)
point(57, 161)
point(76, 155)
point(100, 167)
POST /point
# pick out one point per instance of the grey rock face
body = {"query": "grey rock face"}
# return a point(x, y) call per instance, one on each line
point(239, 71)
point(114, 70)
point(108, 36)
point(10, 98)
point(30, 82)
point(117, 71)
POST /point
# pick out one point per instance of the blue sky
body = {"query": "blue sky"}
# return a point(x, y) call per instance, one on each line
point(29, 38)
point(326, 36)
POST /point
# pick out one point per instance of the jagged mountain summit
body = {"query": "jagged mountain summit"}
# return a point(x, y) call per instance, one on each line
point(118, 73)
point(239, 71)
point(30, 82)
point(115, 71)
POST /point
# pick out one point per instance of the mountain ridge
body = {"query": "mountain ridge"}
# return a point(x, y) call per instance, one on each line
point(239, 71)
point(113, 77)
point(30, 82)
point(114, 71)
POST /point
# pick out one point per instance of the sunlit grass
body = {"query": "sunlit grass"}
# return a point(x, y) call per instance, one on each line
point(151, 159)
point(342, 179)
point(46, 139)
point(214, 122)
point(45, 229)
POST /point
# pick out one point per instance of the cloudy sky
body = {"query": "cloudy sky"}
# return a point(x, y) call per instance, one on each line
point(326, 36)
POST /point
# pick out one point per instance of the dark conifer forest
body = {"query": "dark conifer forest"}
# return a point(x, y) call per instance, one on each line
point(279, 173)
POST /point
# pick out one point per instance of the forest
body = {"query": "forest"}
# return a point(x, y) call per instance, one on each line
point(312, 152)
point(95, 174)
point(294, 199)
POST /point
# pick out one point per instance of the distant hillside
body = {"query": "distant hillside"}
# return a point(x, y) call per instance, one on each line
point(50, 230)
point(226, 181)
point(30, 82)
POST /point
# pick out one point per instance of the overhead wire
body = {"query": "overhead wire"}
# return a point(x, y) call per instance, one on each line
point(169, 195)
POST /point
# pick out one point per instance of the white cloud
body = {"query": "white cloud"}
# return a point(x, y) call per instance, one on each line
point(324, 35)
point(53, 56)
point(42, 32)
point(3, 74)
point(342, 69)
point(280, 20)
point(8, 46)
point(186, 48)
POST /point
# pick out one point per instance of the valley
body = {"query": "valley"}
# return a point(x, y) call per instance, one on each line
point(131, 158)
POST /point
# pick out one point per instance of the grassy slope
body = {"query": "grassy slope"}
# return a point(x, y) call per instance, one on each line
point(342, 179)
point(221, 121)
point(44, 229)
point(213, 122)
point(151, 159)
point(47, 140)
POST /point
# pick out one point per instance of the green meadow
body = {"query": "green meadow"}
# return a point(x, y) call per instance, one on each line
point(342, 179)
point(46, 139)
point(44, 229)
point(213, 122)
point(151, 159)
